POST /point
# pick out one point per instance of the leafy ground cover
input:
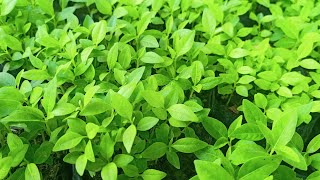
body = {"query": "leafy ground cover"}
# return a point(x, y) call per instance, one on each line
point(159, 89)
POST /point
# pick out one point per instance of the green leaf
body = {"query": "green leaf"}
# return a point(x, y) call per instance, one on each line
point(136, 75)
point(122, 160)
point(267, 133)
point(67, 141)
point(305, 49)
point(183, 40)
point(155, 151)
point(290, 157)
point(125, 57)
point(155, 99)
point(92, 130)
point(7, 79)
point(252, 113)
point(32, 172)
point(249, 132)
point(284, 128)
point(100, 29)
point(189, 145)
point(49, 97)
point(90, 92)
point(43, 152)
point(112, 56)
point(246, 79)
point(95, 106)
point(104, 6)
point(314, 176)
point(11, 41)
point(151, 58)
point(314, 144)
point(129, 136)
point(7, 6)
point(210, 82)
point(23, 115)
point(72, 157)
point(147, 123)
point(46, 6)
point(197, 72)
point(259, 168)
point(13, 141)
point(309, 64)
point(131, 170)
point(48, 41)
point(195, 107)
point(109, 172)
point(287, 153)
point(173, 159)
point(124, 108)
point(228, 29)
point(243, 32)
point(18, 154)
point(182, 112)
point(285, 92)
point(268, 75)
point(246, 150)
point(239, 53)
point(106, 146)
point(81, 164)
point(284, 171)
point(144, 22)
point(208, 21)
point(86, 53)
point(63, 109)
point(36, 74)
point(214, 127)
point(235, 125)
point(289, 27)
point(260, 100)
point(89, 152)
point(245, 70)
point(242, 90)
point(292, 78)
point(210, 170)
point(149, 42)
point(5, 165)
point(153, 174)
point(18, 174)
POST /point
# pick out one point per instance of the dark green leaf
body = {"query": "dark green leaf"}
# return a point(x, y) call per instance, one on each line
point(43, 152)
point(155, 151)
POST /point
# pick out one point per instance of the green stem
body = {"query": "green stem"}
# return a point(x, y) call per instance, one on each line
point(191, 93)
point(229, 99)
point(272, 151)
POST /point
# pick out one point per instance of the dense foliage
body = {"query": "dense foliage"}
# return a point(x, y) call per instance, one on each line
point(154, 89)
